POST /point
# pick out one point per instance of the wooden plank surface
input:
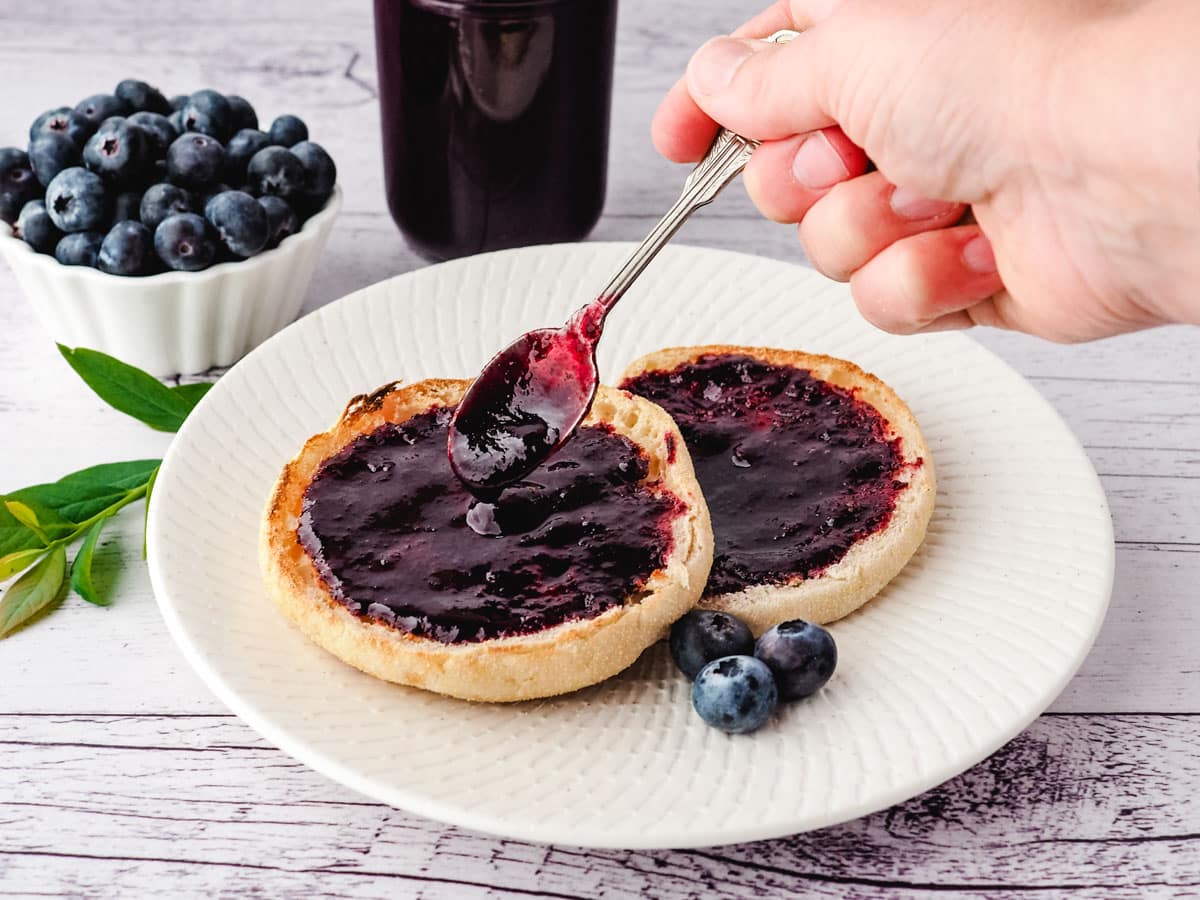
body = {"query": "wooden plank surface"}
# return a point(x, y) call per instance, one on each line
point(1076, 803)
point(121, 775)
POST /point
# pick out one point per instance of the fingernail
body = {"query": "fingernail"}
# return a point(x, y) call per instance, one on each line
point(817, 165)
point(714, 65)
point(908, 204)
point(978, 256)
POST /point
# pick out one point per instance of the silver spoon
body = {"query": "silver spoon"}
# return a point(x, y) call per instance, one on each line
point(532, 395)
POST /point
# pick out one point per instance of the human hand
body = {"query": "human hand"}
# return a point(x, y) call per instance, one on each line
point(1037, 116)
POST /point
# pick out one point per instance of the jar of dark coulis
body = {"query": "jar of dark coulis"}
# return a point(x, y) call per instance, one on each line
point(495, 119)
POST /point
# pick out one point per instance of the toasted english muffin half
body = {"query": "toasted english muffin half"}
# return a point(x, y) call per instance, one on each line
point(873, 560)
point(555, 660)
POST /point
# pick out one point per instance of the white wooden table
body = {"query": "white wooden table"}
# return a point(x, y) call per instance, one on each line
point(121, 775)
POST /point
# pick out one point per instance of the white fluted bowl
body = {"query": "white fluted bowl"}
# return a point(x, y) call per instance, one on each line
point(176, 322)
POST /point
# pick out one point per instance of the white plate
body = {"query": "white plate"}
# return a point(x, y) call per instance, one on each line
point(972, 641)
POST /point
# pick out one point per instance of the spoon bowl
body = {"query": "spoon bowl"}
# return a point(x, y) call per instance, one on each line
point(529, 399)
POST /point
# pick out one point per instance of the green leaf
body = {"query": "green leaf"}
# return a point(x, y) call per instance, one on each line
point(146, 519)
point(33, 591)
point(83, 495)
point(19, 561)
point(42, 520)
point(192, 393)
point(81, 569)
point(129, 390)
point(14, 536)
point(27, 517)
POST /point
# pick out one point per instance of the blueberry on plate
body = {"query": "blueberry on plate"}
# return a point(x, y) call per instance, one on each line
point(321, 172)
point(703, 635)
point(77, 200)
point(36, 229)
point(242, 113)
point(288, 130)
point(163, 200)
point(119, 152)
point(240, 150)
point(276, 170)
point(98, 107)
point(126, 249)
point(208, 112)
point(50, 153)
point(195, 160)
point(802, 656)
point(282, 220)
point(158, 127)
point(79, 249)
point(127, 206)
point(185, 242)
point(63, 120)
point(736, 694)
point(140, 96)
point(18, 184)
point(240, 222)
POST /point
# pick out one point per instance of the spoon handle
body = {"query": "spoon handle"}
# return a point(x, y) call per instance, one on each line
point(726, 157)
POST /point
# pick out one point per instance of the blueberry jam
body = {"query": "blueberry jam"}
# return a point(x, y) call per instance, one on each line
point(794, 469)
point(397, 537)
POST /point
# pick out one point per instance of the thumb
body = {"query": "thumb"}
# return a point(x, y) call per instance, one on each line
point(761, 90)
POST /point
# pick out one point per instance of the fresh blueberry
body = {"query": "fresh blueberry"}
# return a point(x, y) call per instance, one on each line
point(79, 249)
point(176, 120)
point(321, 172)
point(63, 120)
point(178, 102)
point(240, 221)
point(208, 112)
point(802, 656)
point(703, 635)
point(50, 153)
point(288, 130)
point(185, 243)
point(239, 151)
point(162, 133)
point(243, 113)
point(276, 170)
point(109, 125)
point(127, 206)
point(195, 160)
point(282, 220)
point(140, 96)
point(77, 200)
point(97, 108)
point(119, 152)
point(126, 249)
point(735, 693)
point(36, 229)
point(203, 198)
point(163, 200)
point(18, 184)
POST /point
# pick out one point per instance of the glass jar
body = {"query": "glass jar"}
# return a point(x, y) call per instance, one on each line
point(495, 119)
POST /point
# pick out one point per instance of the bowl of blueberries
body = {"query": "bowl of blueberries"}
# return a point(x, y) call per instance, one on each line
point(174, 234)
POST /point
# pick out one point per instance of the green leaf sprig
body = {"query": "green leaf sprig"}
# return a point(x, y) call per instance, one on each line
point(39, 523)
